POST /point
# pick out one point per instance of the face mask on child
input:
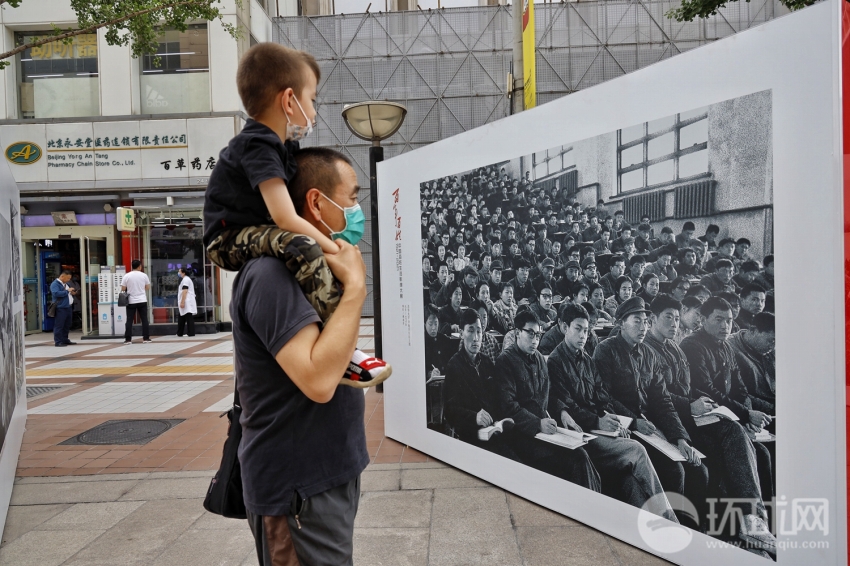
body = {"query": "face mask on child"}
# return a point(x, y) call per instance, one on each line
point(295, 132)
point(355, 223)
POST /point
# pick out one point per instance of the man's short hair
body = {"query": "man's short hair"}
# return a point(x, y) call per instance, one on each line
point(317, 168)
point(524, 317)
point(134, 264)
point(591, 310)
point(469, 316)
point(691, 302)
point(751, 288)
point(662, 302)
point(605, 229)
point(688, 226)
point(764, 322)
point(725, 241)
point(431, 310)
point(749, 266)
point(644, 228)
point(68, 271)
point(712, 229)
point(714, 304)
point(268, 68)
point(617, 258)
point(570, 312)
point(696, 290)
point(721, 263)
point(768, 259)
point(666, 230)
point(636, 259)
point(743, 241)
point(730, 298)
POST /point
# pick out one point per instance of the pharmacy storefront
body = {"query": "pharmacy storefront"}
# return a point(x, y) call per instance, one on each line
point(75, 176)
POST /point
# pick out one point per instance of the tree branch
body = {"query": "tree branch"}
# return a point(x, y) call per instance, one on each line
point(66, 35)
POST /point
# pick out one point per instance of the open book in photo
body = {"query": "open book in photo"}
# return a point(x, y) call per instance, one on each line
point(625, 422)
point(657, 441)
point(499, 427)
point(566, 438)
point(715, 415)
point(764, 436)
point(434, 378)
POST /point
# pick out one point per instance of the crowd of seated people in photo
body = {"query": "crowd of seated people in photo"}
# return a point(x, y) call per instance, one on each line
point(543, 315)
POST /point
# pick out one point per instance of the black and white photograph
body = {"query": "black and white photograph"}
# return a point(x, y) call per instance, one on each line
point(8, 331)
point(14, 225)
point(603, 311)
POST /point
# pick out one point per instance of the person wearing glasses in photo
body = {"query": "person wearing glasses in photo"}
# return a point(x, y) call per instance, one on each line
point(522, 389)
point(542, 308)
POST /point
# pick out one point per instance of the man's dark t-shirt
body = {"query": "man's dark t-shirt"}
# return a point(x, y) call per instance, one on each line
point(288, 441)
point(233, 198)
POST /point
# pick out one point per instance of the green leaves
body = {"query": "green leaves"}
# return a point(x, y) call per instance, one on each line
point(129, 22)
point(691, 9)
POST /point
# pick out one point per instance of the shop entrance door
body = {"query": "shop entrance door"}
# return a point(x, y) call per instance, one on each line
point(95, 256)
point(32, 285)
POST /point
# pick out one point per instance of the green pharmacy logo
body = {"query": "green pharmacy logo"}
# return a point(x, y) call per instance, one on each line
point(23, 153)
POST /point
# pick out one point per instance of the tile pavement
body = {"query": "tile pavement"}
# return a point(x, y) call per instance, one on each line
point(89, 505)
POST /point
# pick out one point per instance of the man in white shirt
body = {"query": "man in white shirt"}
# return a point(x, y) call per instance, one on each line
point(136, 283)
point(186, 301)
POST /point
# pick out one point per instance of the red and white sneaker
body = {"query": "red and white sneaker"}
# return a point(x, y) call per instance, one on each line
point(365, 371)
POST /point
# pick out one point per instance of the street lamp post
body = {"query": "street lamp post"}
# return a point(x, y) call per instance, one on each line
point(375, 120)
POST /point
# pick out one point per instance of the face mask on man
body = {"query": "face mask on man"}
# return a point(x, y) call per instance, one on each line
point(295, 132)
point(355, 223)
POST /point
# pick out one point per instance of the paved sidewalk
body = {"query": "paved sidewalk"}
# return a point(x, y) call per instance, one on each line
point(129, 504)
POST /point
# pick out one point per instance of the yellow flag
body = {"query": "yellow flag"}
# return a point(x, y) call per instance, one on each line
point(529, 53)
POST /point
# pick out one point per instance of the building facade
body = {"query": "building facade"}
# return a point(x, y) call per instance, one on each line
point(87, 128)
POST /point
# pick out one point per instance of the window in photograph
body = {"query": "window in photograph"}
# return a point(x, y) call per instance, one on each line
point(180, 82)
point(663, 151)
point(553, 161)
point(57, 79)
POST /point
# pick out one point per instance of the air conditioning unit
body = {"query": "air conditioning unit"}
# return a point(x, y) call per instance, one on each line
point(317, 7)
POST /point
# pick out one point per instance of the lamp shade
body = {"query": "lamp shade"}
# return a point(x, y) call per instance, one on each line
point(374, 120)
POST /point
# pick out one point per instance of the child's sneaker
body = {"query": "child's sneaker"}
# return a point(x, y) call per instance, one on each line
point(365, 371)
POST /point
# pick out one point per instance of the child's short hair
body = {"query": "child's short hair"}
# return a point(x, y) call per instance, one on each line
point(268, 68)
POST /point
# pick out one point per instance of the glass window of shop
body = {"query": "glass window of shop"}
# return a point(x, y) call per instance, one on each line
point(177, 78)
point(58, 79)
point(176, 243)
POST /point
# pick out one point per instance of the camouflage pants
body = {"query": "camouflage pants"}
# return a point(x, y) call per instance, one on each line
point(231, 249)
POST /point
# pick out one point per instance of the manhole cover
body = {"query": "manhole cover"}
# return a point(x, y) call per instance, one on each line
point(139, 431)
point(36, 390)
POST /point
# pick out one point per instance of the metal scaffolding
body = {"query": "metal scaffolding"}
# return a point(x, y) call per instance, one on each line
point(450, 67)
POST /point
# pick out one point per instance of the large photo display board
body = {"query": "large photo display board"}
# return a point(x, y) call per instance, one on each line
point(593, 320)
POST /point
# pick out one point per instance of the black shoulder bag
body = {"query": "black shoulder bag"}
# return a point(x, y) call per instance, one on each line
point(224, 496)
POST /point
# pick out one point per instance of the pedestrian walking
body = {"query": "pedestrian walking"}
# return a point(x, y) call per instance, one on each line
point(136, 283)
point(187, 305)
